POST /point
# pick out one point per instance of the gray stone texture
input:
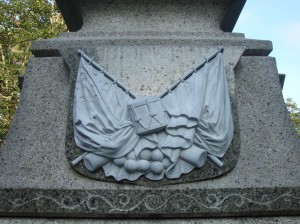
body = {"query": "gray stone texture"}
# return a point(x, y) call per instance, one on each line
point(145, 79)
point(151, 15)
point(40, 137)
point(36, 179)
point(261, 220)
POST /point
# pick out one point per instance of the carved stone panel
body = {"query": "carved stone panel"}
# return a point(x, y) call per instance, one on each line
point(212, 165)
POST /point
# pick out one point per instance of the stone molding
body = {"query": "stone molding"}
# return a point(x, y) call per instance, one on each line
point(151, 203)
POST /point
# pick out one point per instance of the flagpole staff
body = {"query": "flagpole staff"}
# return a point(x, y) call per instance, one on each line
point(107, 75)
point(192, 71)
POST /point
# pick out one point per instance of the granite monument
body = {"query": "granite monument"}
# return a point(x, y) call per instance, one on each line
point(159, 156)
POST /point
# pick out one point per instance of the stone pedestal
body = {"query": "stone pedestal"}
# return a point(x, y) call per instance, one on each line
point(147, 45)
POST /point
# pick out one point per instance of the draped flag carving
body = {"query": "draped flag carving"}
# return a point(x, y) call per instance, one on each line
point(152, 136)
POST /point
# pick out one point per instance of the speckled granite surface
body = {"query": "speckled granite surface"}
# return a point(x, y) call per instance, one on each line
point(261, 220)
point(36, 179)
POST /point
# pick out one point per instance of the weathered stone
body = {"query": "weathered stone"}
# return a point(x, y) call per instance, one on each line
point(154, 15)
point(36, 179)
point(260, 220)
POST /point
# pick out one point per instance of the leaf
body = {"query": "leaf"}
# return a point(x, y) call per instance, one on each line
point(20, 23)
point(294, 113)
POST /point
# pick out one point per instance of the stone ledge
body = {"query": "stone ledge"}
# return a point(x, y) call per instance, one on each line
point(146, 34)
point(49, 48)
point(191, 203)
point(244, 220)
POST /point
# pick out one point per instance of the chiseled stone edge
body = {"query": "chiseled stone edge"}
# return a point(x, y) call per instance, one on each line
point(50, 47)
point(150, 203)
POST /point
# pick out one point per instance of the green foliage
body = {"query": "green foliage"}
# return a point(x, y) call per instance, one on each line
point(21, 21)
point(294, 112)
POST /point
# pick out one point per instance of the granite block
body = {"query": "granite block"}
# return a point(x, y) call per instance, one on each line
point(36, 179)
point(153, 15)
point(147, 44)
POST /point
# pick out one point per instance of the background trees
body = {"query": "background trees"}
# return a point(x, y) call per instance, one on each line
point(21, 21)
point(294, 112)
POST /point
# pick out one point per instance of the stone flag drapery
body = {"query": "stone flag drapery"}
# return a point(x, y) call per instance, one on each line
point(200, 124)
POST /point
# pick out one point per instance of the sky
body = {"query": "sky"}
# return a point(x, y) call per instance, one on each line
point(278, 21)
